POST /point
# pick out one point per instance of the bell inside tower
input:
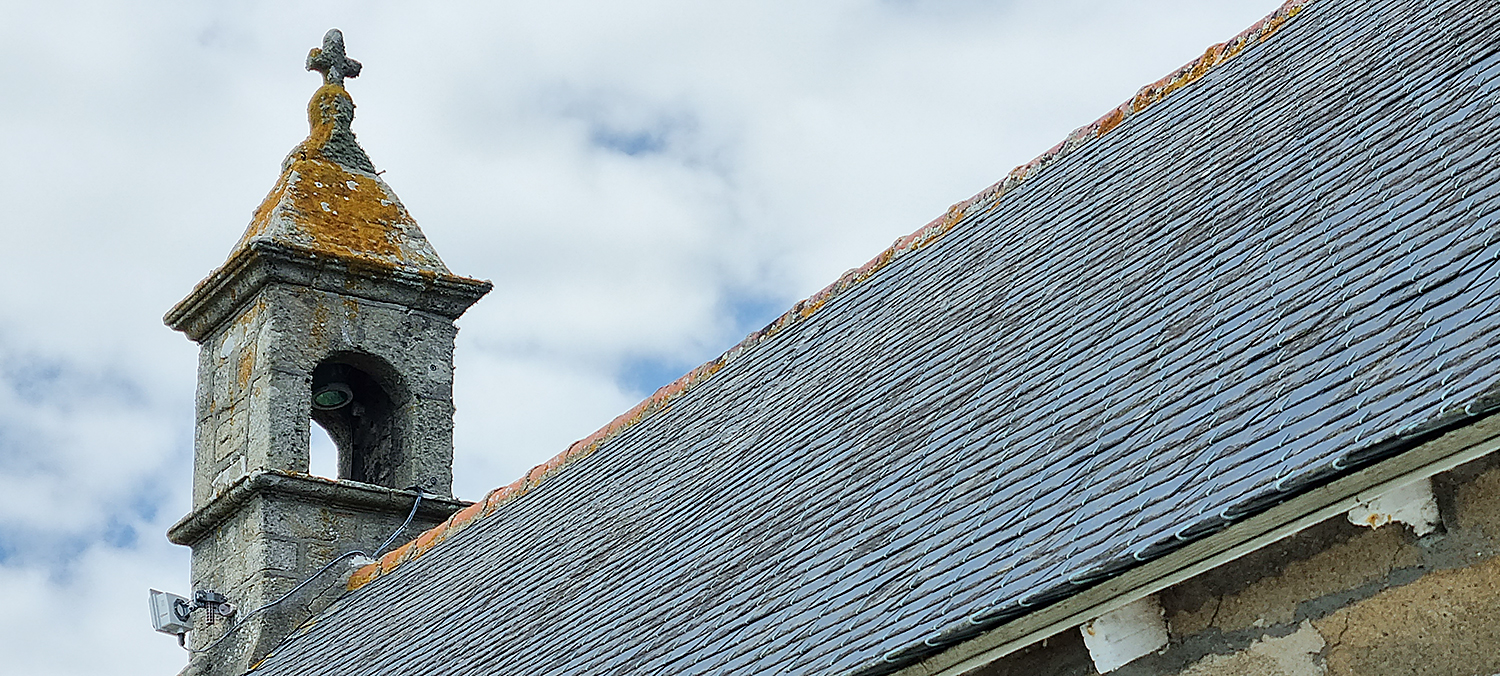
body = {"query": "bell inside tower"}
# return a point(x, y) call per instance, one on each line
point(360, 415)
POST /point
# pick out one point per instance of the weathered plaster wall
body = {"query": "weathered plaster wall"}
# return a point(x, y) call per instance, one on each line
point(1336, 599)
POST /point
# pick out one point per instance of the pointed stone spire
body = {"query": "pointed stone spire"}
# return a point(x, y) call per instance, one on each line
point(330, 209)
point(329, 198)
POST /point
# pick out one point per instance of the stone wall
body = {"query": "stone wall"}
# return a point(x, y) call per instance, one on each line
point(281, 530)
point(255, 374)
point(260, 525)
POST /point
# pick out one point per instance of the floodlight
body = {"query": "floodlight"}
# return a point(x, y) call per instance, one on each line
point(170, 613)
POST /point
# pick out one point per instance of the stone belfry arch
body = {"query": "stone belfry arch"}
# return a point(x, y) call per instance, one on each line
point(333, 308)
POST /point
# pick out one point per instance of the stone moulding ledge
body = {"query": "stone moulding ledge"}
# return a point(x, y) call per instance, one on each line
point(982, 203)
point(353, 494)
point(262, 262)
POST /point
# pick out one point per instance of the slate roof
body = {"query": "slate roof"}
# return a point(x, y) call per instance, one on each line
point(1279, 273)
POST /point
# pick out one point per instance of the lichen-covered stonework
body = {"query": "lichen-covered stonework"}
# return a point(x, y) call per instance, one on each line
point(331, 273)
point(256, 371)
point(329, 198)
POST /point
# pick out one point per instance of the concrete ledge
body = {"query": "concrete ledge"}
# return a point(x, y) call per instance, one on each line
point(367, 497)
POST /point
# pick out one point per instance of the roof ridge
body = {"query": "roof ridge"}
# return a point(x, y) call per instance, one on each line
point(1145, 97)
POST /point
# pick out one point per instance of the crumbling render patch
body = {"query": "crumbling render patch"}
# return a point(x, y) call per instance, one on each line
point(1294, 655)
point(1447, 622)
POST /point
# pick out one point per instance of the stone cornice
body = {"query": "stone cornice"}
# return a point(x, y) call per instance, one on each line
point(353, 494)
point(261, 262)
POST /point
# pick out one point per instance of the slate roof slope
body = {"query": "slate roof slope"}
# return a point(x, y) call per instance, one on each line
point(1279, 273)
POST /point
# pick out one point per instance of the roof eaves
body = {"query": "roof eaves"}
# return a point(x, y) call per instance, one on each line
point(1459, 434)
point(1144, 98)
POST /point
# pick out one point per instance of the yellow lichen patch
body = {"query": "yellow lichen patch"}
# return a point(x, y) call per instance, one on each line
point(322, 113)
point(343, 212)
point(1194, 71)
point(1110, 121)
point(1236, 46)
point(243, 336)
point(340, 212)
point(246, 366)
point(1276, 21)
point(1145, 98)
point(262, 217)
point(323, 203)
point(319, 323)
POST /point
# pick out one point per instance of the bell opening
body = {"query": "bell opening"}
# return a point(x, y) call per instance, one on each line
point(359, 415)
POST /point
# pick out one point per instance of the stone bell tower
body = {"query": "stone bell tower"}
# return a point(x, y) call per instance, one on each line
point(332, 309)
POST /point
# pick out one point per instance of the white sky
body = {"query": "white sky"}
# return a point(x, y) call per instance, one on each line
point(644, 182)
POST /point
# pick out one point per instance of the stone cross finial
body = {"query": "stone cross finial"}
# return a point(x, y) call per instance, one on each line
point(331, 61)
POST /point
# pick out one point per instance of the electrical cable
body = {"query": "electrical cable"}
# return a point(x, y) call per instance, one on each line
point(246, 617)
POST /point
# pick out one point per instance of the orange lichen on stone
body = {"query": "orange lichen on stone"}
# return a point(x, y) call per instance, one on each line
point(428, 539)
point(339, 211)
point(1215, 55)
point(244, 351)
point(392, 558)
point(364, 576)
point(1274, 21)
point(921, 238)
point(330, 201)
point(1110, 121)
point(323, 113)
point(465, 515)
point(262, 216)
point(246, 367)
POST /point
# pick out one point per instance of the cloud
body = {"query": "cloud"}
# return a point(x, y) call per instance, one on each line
point(83, 457)
point(93, 622)
point(644, 182)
